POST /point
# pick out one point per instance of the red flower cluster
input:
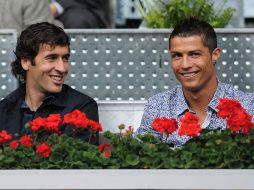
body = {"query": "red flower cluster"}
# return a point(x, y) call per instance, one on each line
point(236, 116)
point(164, 125)
point(189, 125)
point(95, 126)
point(4, 136)
point(53, 122)
point(105, 149)
point(43, 150)
point(227, 106)
point(107, 153)
point(50, 124)
point(76, 118)
point(79, 120)
point(37, 124)
point(14, 144)
point(26, 141)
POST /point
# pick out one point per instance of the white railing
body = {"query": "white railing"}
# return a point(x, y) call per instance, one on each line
point(127, 179)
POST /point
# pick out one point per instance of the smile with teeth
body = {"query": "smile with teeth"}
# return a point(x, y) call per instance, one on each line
point(190, 74)
point(56, 77)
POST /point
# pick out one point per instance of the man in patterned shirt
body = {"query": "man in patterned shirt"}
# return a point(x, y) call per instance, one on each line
point(194, 53)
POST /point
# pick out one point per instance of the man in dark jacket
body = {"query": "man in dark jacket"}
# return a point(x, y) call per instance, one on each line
point(81, 13)
point(41, 66)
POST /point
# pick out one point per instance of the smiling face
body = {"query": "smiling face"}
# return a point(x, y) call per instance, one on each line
point(193, 64)
point(49, 70)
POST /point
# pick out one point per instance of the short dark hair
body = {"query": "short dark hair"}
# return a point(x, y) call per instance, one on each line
point(193, 26)
point(29, 43)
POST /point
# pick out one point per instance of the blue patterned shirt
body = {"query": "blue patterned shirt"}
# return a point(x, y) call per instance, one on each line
point(172, 104)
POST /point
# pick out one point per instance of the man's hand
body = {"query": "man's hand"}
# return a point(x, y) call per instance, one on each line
point(53, 9)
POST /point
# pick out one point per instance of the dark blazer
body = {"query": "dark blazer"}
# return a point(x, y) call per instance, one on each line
point(64, 102)
point(84, 13)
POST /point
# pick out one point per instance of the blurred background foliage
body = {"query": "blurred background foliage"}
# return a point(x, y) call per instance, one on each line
point(165, 14)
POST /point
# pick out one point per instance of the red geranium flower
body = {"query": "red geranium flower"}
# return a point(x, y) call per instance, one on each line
point(76, 118)
point(105, 149)
point(14, 144)
point(95, 126)
point(107, 153)
point(37, 123)
point(240, 120)
point(26, 141)
point(227, 106)
point(101, 147)
point(236, 116)
point(189, 125)
point(43, 150)
point(164, 125)
point(53, 122)
point(4, 136)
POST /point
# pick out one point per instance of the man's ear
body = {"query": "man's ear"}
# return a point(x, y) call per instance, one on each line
point(216, 55)
point(25, 63)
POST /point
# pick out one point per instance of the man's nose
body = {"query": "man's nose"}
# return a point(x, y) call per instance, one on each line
point(61, 65)
point(186, 63)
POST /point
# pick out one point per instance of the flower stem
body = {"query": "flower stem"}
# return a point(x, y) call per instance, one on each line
point(35, 137)
point(166, 140)
point(120, 135)
point(74, 132)
point(90, 138)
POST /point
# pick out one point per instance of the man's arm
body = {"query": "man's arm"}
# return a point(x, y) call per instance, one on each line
point(150, 113)
point(91, 110)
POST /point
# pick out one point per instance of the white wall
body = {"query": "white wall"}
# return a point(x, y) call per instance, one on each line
point(114, 113)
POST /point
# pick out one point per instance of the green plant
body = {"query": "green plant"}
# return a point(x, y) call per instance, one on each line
point(166, 14)
point(217, 149)
point(212, 149)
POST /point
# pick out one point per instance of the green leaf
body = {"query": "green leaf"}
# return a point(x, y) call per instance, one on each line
point(9, 160)
point(56, 157)
point(132, 160)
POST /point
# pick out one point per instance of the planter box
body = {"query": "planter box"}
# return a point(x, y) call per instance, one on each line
point(127, 179)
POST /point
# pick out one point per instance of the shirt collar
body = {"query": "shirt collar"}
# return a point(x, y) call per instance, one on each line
point(46, 100)
point(180, 102)
point(182, 105)
point(216, 98)
point(57, 99)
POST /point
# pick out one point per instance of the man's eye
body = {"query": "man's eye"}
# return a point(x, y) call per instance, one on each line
point(66, 58)
point(51, 58)
point(195, 55)
point(175, 56)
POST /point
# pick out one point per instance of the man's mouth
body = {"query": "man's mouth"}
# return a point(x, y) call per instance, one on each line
point(58, 78)
point(189, 74)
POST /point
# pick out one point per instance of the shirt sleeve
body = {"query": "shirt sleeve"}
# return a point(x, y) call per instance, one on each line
point(151, 111)
point(91, 110)
point(250, 106)
point(59, 7)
